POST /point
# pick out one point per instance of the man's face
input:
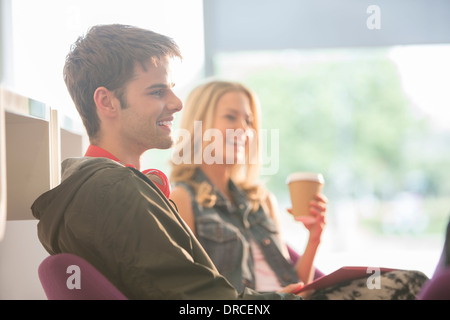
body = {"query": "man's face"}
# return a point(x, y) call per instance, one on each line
point(146, 122)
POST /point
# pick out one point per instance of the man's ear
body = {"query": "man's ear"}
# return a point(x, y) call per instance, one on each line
point(106, 102)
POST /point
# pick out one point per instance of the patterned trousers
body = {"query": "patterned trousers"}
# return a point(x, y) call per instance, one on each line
point(393, 285)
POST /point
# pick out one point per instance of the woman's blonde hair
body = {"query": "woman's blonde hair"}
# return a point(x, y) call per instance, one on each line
point(200, 106)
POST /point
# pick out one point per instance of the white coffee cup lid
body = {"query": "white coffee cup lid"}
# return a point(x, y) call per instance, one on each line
point(305, 176)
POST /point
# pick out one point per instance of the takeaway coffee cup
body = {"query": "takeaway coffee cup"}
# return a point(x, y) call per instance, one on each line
point(303, 186)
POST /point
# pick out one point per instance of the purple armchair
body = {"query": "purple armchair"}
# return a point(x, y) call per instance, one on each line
point(438, 287)
point(66, 276)
point(295, 256)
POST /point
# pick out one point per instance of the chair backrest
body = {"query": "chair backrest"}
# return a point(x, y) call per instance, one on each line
point(438, 287)
point(67, 276)
point(294, 255)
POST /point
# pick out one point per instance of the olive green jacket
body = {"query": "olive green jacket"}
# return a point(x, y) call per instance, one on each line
point(118, 220)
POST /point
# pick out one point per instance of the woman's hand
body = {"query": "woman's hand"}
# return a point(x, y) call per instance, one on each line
point(292, 288)
point(316, 222)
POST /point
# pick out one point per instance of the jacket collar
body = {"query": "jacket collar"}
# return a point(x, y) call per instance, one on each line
point(238, 195)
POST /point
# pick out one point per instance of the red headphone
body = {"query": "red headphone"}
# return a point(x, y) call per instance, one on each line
point(160, 179)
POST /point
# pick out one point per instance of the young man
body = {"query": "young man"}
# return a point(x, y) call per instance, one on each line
point(107, 211)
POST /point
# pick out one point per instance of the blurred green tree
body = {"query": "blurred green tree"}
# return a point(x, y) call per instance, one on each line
point(348, 119)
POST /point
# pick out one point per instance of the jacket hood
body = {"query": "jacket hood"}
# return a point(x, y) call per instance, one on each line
point(51, 206)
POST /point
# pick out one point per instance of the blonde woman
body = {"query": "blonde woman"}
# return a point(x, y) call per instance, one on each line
point(215, 174)
point(216, 190)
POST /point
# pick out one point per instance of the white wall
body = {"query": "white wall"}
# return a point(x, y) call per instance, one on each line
point(34, 148)
point(20, 256)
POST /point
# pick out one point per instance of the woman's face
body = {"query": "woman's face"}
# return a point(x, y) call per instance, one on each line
point(233, 119)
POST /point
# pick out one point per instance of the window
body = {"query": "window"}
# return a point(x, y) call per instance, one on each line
point(43, 31)
point(40, 33)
